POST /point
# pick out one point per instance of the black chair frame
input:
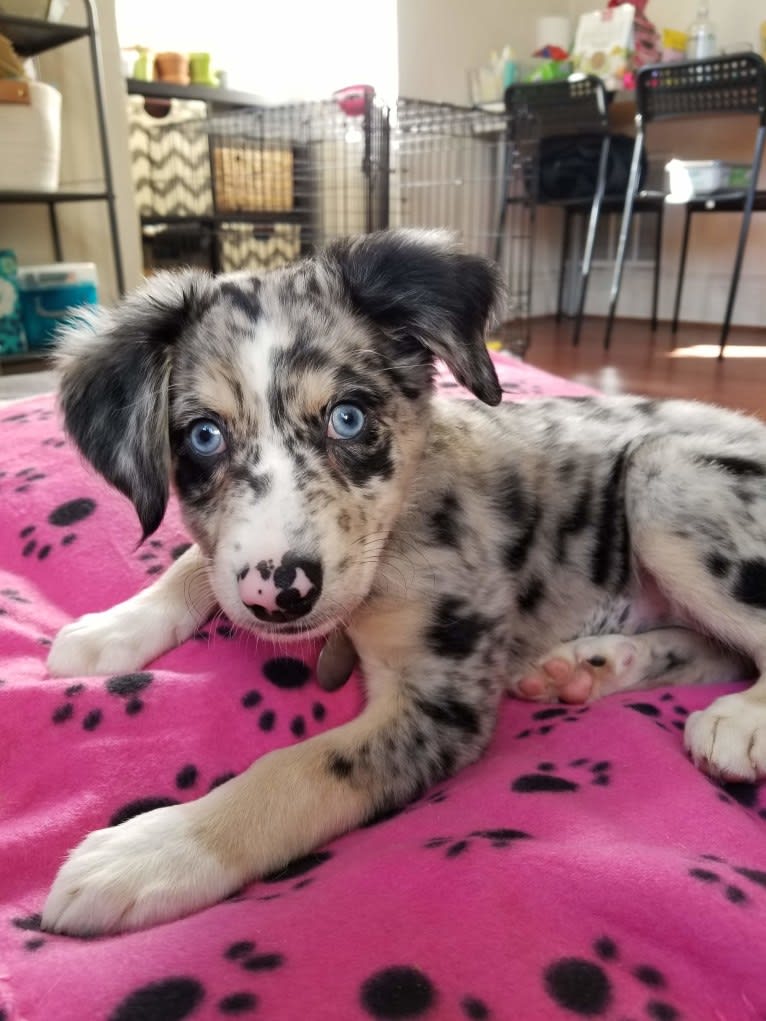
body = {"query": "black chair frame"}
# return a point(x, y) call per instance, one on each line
point(733, 84)
point(574, 106)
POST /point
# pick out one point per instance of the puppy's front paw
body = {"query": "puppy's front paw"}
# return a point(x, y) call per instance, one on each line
point(728, 739)
point(148, 870)
point(113, 642)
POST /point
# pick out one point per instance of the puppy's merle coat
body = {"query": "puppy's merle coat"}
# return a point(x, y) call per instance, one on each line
point(564, 547)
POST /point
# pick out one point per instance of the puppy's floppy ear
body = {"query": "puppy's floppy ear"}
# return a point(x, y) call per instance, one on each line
point(419, 284)
point(115, 367)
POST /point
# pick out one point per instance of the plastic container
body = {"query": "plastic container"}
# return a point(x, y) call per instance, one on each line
point(691, 178)
point(49, 294)
point(31, 134)
point(11, 332)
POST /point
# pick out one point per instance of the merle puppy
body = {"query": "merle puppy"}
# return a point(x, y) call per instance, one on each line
point(566, 548)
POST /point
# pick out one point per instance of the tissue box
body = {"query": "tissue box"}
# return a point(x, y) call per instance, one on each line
point(49, 294)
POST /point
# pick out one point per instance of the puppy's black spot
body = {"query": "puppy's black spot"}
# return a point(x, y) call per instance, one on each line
point(750, 587)
point(138, 807)
point(451, 712)
point(318, 711)
point(742, 466)
point(251, 699)
point(171, 999)
point(516, 552)
point(454, 631)
point(444, 522)
point(397, 992)
point(341, 766)
point(298, 867)
point(71, 512)
point(246, 300)
point(575, 521)
point(612, 528)
point(530, 595)
point(178, 551)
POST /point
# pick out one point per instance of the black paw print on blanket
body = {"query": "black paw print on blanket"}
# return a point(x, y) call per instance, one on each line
point(548, 779)
point(667, 713)
point(547, 719)
point(39, 541)
point(716, 873)
point(402, 991)
point(587, 986)
point(129, 690)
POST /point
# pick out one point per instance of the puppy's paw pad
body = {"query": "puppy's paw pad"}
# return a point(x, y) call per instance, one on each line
point(580, 671)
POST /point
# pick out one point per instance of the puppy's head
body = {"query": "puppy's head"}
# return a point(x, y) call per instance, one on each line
point(289, 411)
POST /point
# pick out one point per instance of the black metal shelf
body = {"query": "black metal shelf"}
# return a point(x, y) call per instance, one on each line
point(51, 197)
point(217, 219)
point(31, 36)
point(212, 96)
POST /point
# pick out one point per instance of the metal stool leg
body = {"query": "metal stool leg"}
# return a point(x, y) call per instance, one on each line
point(590, 241)
point(681, 272)
point(568, 214)
point(657, 261)
point(627, 216)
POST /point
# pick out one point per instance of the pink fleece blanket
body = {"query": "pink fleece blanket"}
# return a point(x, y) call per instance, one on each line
point(583, 868)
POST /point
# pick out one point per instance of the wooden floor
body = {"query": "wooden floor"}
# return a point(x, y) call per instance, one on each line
point(642, 363)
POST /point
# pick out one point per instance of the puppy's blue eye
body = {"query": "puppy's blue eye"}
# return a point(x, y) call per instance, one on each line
point(205, 438)
point(346, 422)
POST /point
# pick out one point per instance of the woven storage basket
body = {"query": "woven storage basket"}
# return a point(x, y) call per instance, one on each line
point(253, 180)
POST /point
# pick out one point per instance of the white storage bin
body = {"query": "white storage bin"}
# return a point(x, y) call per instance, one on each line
point(31, 140)
point(689, 179)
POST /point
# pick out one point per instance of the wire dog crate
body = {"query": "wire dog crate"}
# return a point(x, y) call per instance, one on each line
point(459, 168)
point(259, 187)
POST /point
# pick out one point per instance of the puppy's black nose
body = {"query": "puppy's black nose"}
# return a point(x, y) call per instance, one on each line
point(281, 594)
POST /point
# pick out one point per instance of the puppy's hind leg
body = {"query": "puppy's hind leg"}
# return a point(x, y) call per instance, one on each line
point(132, 634)
point(593, 666)
point(697, 517)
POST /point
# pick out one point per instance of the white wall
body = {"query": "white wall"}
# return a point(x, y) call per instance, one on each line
point(84, 227)
point(440, 39)
point(288, 50)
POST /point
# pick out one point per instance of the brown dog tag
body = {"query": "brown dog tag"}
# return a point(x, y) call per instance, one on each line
point(336, 661)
